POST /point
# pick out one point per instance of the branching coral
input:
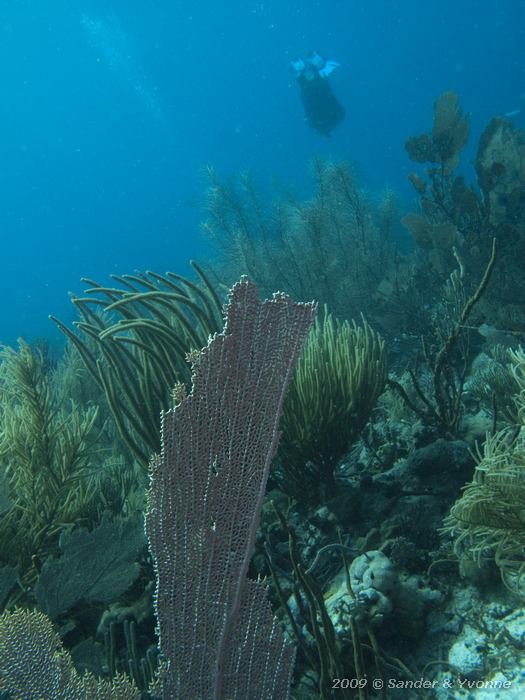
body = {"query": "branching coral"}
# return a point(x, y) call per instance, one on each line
point(451, 212)
point(337, 381)
point(456, 216)
point(448, 137)
point(137, 349)
point(46, 450)
point(489, 518)
point(494, 385)
point(336, 247)
point(447, 360)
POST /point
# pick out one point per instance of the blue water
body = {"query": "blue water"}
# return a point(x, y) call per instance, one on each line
point(109, 110)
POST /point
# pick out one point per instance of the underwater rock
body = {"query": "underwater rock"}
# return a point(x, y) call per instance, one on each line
point(443, 466)
point(412, 598)
point(485, 641)
point(467, 654)
point(515, 627)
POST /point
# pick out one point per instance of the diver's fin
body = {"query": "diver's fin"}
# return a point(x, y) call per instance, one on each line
point(328, 68)
point(297, 65)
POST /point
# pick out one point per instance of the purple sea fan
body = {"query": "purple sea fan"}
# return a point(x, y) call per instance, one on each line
point(216, 628)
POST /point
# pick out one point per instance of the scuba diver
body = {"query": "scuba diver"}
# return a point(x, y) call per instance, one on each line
point(322, 109)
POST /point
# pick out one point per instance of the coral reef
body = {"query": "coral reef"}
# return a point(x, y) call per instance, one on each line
point(391, 542)
point(218, 440)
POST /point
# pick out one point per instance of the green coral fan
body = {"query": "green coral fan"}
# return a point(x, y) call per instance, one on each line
point(338, 379)
point(95, 566)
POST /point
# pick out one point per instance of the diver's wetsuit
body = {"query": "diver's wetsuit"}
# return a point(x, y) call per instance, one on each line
point(322, 109)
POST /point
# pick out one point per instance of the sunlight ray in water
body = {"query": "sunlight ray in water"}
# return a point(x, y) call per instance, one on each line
point(110, 41)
